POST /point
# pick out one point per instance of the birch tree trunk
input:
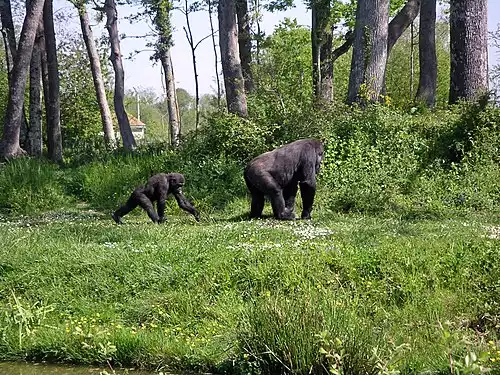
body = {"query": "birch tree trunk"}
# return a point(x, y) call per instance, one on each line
point(427, 85)
point(95, 66)
point(369, 57)
point(231, 65)
point(116, 58)
point(9, 145)
point(469, 49)
point(245, 43)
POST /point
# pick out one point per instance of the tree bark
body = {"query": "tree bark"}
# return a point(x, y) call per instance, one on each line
point(116, 59)
point(469, 49)
point(52, 104)
point(427, 85)
point(322, 44)
point(34, 137)
point(173, 113)
point(231, 65)
point(369, 57)
point(245, 43)
point(95, 66)
point(9, 146)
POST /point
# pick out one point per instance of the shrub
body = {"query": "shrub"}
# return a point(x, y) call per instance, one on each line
point(31, 186)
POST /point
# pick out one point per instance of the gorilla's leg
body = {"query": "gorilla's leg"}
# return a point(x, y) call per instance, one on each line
point(147, 205)
point(289, 194)
point(123, 210)
point(307, 192)
point(257, 204)
point(258, 199)
point(278, 204)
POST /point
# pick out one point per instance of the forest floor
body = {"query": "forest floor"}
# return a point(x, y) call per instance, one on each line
point(344, 293)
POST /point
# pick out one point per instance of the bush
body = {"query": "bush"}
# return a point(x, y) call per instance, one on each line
point(31, 186)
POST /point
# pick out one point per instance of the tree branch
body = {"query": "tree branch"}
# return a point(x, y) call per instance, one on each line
point(337, 52)
point(401, 21)
point(202, 39)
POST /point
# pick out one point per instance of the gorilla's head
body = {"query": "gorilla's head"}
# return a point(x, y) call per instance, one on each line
point(176, 182)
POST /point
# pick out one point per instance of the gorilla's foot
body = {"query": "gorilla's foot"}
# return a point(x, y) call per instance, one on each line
point(116, 218)
point(287, 215)
point(306, 216)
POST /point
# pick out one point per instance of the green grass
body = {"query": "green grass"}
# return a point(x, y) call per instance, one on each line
point(343, 294)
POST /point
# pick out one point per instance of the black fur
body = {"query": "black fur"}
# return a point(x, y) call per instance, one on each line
point(277, 175)
point(157, 189)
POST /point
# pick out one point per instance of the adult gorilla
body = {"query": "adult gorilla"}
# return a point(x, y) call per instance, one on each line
point(277, 174)
point(157, 189)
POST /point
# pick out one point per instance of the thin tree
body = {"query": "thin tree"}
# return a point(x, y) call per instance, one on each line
point(469, 49)
point(427, 84)
point(116, 59)
point(9, 145)
point(245, 43)
point(95, 67)
point(189, 36)
point(161, 20)
point(52, 102)
point(369, 57)
point(231, 65)
point(216, 65)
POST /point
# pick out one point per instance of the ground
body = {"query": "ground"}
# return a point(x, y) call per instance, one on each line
point(337, 291)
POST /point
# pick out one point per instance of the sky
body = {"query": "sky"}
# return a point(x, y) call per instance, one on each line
point(140, 73)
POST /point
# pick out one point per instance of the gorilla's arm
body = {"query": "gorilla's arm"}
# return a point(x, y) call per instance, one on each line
point(186, 205)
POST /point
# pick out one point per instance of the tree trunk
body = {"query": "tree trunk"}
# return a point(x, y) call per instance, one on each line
point(116, 59)
point(9, 146)
point(369, 57)
point(173, 114)
point(322, 44)
point(8, 30)
point(231, 66)
point(427, 85)
point(469, 49)
point(34, 138)
point(245, 43)
point(9, 38)
point(95, 66)
point(217, 78)
point(52, 105)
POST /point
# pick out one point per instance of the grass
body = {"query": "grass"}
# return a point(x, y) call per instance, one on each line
point(342, 294)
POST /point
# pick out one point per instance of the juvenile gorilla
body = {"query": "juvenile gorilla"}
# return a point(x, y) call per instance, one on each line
point(157, 189)
point(277, 174)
